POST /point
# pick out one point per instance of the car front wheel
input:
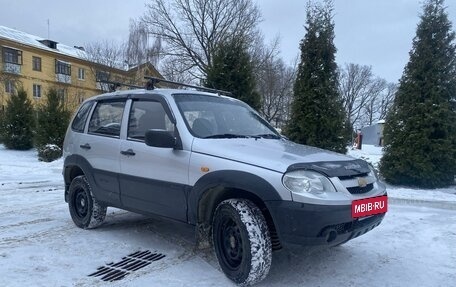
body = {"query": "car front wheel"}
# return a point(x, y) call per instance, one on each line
point(241, 241)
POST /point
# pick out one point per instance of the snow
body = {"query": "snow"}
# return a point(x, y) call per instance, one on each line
point(18, 167)
point(443, 197)
point(32, 40)
point(40, 245)
point(370, 153)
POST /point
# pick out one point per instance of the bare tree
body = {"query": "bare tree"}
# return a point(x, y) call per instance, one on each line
point(174, 70)
point(275, 84)
point(354, 84)
point(366, 98)
point(106, 53)
point(191, 29)
point(372, 106)
point(139, 50)
point(261, 53)
point(387, 100)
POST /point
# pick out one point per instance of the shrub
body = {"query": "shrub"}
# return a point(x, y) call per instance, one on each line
point(52, 123)
point(49, 152)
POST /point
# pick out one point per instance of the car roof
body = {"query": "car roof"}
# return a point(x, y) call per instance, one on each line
point(167, 93)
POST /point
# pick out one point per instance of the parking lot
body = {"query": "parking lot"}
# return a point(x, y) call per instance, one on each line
point(40, 245)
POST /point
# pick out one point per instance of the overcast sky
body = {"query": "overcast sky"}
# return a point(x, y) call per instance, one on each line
point(378, 33)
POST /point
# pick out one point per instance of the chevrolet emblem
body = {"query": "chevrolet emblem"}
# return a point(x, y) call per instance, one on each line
point(362, 182)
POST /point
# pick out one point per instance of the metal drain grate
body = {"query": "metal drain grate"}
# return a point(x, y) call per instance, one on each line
point(132, 262)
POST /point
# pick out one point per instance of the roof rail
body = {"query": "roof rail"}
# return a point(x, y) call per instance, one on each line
point(114, 85)
point(152, 81)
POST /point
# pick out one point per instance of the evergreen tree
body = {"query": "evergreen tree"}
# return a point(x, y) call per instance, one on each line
point(52, 123)
point(317, 114)
point(18, 122)
point(232, 70)
point(420, 130)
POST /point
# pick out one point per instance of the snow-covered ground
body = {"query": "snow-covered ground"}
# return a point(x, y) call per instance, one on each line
point(442, 198)
point(40, 246)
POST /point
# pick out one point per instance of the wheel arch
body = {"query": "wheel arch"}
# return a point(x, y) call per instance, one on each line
point(218, 186)
point(74, 166)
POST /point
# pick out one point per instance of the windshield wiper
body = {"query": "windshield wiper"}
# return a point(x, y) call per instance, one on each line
point(267, 136)
point(226, 136)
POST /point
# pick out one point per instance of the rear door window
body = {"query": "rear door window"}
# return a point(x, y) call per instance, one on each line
point(107, 118)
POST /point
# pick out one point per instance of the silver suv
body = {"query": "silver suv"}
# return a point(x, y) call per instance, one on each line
point(211, 161)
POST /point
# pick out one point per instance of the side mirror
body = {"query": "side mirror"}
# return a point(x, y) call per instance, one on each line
point(160, 138)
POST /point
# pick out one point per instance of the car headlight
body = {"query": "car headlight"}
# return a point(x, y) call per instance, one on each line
point(301, 181)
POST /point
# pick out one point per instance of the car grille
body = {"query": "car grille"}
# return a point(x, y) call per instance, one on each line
point(360, 190)
point(353, 176)
point(358, 184)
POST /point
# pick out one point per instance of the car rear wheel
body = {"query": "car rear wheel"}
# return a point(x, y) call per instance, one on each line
point(241, 241)
point(85, 210)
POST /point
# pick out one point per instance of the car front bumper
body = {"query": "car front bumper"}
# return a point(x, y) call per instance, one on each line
point(310, 224)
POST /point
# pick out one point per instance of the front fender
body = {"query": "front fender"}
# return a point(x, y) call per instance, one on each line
point(228, 179)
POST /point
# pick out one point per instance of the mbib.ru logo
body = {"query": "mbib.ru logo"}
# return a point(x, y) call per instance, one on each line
point(369, 206)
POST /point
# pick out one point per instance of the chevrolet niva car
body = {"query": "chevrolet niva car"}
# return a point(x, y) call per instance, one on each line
point(211, 161)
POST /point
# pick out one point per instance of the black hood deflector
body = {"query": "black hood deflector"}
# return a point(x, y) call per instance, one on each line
point(334, 168)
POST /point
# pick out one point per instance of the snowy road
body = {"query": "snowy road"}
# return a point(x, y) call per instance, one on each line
point(40, 246)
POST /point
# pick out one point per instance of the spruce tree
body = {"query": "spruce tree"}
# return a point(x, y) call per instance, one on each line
point(232, 70)
point(420, 130)
point(317, 115)
point(18, 122)
point(52, 123)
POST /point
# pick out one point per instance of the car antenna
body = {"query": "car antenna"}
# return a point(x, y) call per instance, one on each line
point(152, 81)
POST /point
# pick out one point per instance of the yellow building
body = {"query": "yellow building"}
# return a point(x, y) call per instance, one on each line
point(37, 64)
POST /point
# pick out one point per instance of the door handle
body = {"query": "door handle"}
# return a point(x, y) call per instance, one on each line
point(85, 146)
point(128, 152)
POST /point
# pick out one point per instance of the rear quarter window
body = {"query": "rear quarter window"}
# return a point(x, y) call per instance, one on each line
point(81, 118)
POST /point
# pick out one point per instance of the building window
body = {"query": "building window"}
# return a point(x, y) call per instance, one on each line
point(36, 91)
point(102, 76)
point(81, 74)
point(9, 86)
point(62, 68)
point(36, 61)
point(61, 94)
point(12, 56)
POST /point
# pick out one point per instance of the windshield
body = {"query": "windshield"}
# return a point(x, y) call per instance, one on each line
point(222, 117)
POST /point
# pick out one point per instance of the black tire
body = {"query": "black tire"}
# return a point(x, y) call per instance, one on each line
point(85, 210)
point(241, 241)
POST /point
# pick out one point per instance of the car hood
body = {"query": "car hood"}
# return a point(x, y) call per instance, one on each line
point(279, 155)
